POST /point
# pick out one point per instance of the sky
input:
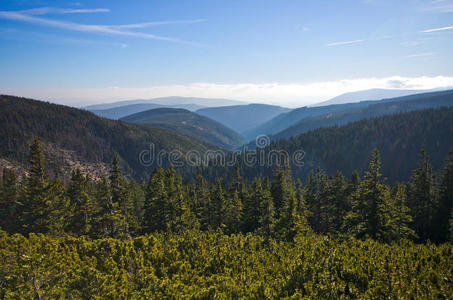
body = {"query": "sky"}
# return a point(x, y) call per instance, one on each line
point(287, 52)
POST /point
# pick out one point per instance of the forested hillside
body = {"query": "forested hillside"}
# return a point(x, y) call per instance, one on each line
point(76, 137)
point(385, 107)
point(328, 237)
point(188, 123)
point(399, 137)
point(316, 117)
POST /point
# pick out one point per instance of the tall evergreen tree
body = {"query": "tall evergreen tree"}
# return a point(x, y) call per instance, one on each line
point(155, 216)
point(445, 208)
point(399, 226)
point(370, 213)
point(34, 206)
point(82, 204)
point(422, 198)
point(8, 200)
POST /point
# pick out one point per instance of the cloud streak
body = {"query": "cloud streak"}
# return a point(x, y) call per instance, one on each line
point(286, 94)
point(119, 30)
point(437, 29)
point(54, 10)
point(345, 43)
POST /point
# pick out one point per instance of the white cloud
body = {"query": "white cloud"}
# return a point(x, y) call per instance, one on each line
point(97, 29)
point(345, 43)
point(289, 94)
point(439, 6)
point(437, 29)
point(420, 55)
point(54, 10)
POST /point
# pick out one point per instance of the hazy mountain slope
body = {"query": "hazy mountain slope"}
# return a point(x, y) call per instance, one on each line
point(398, 137)
point(291, 118)
point(188, 123)
point(285, 120)
point(370, 95)
point(410, 103)
point(168, 101)
point(243, 117)
point(71, 136)
point(116, 113)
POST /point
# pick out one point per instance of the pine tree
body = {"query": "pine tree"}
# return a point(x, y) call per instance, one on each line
point(399, 226)
point(266, 215)
point(445, 208)
point(59, 208)
point(370, 213)
point(82, 205)
point(108, 220)
point(252, 207)
point(155, 203)
point(422, 198)
point(8, 200)
point(218, 202)
point(232, 213)
point(34, 206)
point(201, 202)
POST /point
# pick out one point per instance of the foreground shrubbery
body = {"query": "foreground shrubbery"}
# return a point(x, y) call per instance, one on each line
point(213, 265)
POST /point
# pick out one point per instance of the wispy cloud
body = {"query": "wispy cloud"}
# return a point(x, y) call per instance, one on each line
point(439, 6)
point(420, 55)
point(119, 30)
point(286, 94)
point(54, 10)
point(346, 43)
point(151, 24)
point(437, 29)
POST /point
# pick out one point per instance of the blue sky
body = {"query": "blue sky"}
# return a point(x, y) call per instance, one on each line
point(286, 52)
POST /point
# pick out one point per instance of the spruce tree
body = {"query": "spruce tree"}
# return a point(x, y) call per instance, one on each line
point(370, 214)
point(82, 205)
point(422, 198)
point(34, 206)
point(401, 218)
point(445, 208)
point(155, 203)
point(8, 201)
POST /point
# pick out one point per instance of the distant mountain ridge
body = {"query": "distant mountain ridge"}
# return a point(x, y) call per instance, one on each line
point(286, 120)
point(116, 113)
point(243, 117)
point(169, 101)
point(372, 95)
point(188, 123)
point(374, 109)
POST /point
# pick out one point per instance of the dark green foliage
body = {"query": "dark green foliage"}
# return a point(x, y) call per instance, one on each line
point(188, 123)
point(423, 198)
point(346, 148)
point(366, 110)
point(203, 265)
point(88, 138)
point(8, 200)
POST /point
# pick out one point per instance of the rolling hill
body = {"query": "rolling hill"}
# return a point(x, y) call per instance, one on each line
point(399, 138)
point(243, 117)
point(404, 104)
point(188, 123)
point(286, 120)
point(370, 95)
point(116, 113)
point(168, 101)
point(73, 137)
